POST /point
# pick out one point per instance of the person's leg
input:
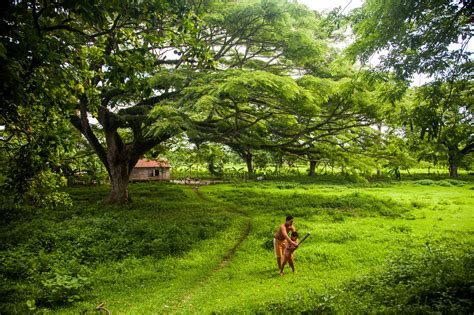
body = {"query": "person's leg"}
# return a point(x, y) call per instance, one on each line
point(283, 263)
point(278, 247)
point(292, 264)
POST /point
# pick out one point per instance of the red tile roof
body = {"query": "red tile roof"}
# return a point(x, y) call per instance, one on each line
point(150, 164)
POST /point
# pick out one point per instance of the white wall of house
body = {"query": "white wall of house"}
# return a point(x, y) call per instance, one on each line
point(150, 173)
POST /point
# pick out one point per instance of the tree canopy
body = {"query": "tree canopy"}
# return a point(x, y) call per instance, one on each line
point(250, 75)
point(429, 37)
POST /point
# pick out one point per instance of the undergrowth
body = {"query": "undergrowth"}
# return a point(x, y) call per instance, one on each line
point(430, 280)
point(46, 256)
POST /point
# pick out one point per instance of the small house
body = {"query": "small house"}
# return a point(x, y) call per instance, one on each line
point(151, 170)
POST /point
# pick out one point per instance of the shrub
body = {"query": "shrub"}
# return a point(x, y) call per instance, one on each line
point(455, 182)
point(42, 279)
point(444, 182)
point(434, 280)
point(425, 182)
point(61, 288)
point(356, 178)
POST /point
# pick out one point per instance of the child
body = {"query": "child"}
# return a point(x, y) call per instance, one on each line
point(288, 255)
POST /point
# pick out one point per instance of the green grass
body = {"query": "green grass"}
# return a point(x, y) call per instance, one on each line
point(352, 237)
point(375, 247)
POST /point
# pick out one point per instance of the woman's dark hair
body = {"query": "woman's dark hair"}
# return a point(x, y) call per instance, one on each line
point(288, 218)
point(294, 234)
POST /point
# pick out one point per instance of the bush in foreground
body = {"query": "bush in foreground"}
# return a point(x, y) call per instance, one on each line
point(433, 280)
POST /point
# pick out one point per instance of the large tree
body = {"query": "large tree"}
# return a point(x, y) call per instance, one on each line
point(83, 60)
point(440, 117)
point(429, 38)
point(251, 86)
point(114, 71)
point(36, 89)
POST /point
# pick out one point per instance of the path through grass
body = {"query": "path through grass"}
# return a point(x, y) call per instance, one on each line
point(198, 287)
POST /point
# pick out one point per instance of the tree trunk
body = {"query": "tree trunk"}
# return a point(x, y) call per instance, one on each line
point(453, 170)
point(119, 177)
point(118, 161)
point(248, 161)
point(453, 158)
point(312, 167)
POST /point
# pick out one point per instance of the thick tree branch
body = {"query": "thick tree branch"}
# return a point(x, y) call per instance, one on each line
point(84, 128)
point(468, 148)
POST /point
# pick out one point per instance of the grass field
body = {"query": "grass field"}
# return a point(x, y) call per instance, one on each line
point(380, 247)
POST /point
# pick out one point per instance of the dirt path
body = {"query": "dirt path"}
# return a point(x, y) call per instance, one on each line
point(228, 256)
